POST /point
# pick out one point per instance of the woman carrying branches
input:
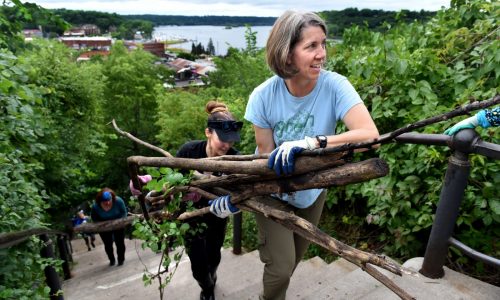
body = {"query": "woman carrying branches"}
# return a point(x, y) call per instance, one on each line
point(294, 110)
point(204, 246)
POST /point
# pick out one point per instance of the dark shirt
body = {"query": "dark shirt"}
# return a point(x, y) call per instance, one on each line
point(197, 149)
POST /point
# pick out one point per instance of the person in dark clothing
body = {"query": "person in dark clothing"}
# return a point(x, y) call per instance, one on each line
point(109, 206)
point(203, 248)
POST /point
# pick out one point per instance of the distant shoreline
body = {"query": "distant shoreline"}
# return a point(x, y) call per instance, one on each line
point(228, 21)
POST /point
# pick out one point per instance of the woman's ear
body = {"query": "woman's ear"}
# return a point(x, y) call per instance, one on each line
point(208, 132)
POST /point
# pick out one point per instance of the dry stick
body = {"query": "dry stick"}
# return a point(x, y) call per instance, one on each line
point(133, 169)
point(389, 137)
point(118, 223)
point(343, 175)
point(240, 157)
point(312, 233)
point(138, 141)
point(13, 238)
point(388, 283)
point(255, 167)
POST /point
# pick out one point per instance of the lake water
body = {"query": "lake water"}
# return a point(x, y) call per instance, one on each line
point(222, 38)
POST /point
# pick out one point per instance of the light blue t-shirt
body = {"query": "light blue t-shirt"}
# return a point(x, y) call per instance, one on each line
point(292, 118)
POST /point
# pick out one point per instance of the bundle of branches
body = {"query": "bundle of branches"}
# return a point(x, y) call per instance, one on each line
point(254, 178)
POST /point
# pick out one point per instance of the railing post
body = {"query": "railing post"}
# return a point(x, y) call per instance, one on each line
point(51, 276)
point(237, 221)
point(452, 192)
point(63, 253)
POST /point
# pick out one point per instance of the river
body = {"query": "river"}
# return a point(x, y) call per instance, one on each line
point(222, 38)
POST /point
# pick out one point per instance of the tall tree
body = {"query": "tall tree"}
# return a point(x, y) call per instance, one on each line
point(72, 96)
point(132, 85)
point(210, 47)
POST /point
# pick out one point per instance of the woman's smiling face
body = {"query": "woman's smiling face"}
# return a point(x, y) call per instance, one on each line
point(309, 54)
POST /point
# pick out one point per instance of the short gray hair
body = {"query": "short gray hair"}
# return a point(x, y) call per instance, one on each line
point(285, 34)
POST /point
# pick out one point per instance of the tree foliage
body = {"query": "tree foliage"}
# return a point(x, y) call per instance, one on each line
point(103, 20)
point(132, 86)
point(373, 19)
point(128, 29)
point(22, 193)
point(411, 72)
point(72, 94)
point(56, 145)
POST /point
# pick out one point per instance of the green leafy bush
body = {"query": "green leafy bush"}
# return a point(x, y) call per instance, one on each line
point(411, 72)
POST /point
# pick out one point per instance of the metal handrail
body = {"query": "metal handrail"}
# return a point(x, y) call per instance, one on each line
point(463, 143)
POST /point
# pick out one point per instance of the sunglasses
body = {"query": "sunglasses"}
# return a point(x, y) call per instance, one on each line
point(225, 125)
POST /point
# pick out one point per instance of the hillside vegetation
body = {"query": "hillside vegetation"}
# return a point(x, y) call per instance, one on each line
point(57, 147)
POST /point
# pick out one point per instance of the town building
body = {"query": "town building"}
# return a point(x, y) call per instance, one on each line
point(94, 43)
point(189, 72)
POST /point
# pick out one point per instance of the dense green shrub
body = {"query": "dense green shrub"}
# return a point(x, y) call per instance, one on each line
point(71, 94)
point(22, 195)
point(132, 87)
point(411, 72)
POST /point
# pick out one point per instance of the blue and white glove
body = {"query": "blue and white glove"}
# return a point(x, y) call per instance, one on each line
point(222, 206)
point(282, 159)
point(472, 122)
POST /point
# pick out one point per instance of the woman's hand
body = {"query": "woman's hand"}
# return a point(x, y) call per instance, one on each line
point(143, 179)
point(222, 206)
point(282, 159)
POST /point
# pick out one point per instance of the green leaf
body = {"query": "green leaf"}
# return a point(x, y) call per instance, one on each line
point(495, 206)
point(413, 93)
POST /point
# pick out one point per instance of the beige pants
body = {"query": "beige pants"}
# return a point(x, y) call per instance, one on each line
point(281, 249)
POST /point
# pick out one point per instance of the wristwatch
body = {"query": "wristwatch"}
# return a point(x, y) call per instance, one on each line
point(322, 140)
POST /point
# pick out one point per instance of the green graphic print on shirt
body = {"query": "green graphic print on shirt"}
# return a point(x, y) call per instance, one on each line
point(295, 128)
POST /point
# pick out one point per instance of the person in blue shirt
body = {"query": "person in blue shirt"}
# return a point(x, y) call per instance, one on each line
point(108, 206)
point(484, 118)
point(80, 219)
point(299, 109)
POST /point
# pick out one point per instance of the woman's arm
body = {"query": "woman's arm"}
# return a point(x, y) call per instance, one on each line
point(361, 127)
point(264, 139)
point(122, 207)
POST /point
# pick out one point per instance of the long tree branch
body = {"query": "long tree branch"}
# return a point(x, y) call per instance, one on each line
point(313, 234)
point(389, 137)
point(141, 142)
point(255, 167)
point(13, 238)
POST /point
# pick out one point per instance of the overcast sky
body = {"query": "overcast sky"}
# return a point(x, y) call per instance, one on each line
point(261, 8)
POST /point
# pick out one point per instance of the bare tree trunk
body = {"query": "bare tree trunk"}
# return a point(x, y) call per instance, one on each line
point(255, 167)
